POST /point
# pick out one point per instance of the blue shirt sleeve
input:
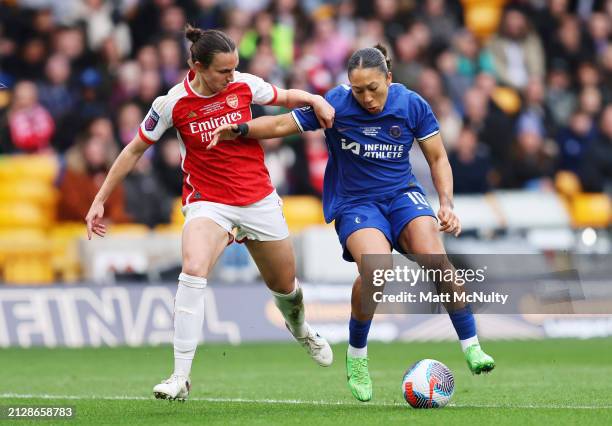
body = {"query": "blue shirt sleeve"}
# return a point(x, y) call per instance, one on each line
point(421, 118)
point(305, 118)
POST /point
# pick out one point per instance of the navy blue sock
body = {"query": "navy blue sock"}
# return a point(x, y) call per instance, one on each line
point(358, 333)
point(463, 321)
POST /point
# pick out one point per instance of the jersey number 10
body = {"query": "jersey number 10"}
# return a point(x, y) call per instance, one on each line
point(417, 198)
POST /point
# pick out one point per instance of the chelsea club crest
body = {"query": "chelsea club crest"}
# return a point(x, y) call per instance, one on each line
point(395, 131)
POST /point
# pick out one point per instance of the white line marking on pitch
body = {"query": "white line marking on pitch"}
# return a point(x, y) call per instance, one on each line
point(294, 401)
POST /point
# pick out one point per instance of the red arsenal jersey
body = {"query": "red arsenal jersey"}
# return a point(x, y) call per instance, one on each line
point(233, 172)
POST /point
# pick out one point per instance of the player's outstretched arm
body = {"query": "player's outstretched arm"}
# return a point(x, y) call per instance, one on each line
point(442, 176)
point(295, 98)
point(123, 164)
point(266, 127)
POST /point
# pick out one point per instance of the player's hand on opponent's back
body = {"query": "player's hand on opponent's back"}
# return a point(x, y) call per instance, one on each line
point(449, 222)
point(94, 220)
point(324, 111)
point(224, 133)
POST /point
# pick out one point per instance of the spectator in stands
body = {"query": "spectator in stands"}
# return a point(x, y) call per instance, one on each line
point(100, 23)
point(329, 44)
point(535, 108)
point(590, 75)
point(167, 166)
point(210, 14)
point(90, 103)
point(31, 59)
point(145, 200)
point(430, 86)
point(150, 85)
point(560, 99)
point(389, 14)
point(59, 97)
point(70, 41)
point(472, 58)
point(600, 29)
point(596, 165)
point(87, 163)
point(471, 164)
point(570, 44)
point(129, 117)
point(517, 50)
point(450, 122)
point(277, 35)
point(147, 57)
point(278, 159)
point(548, 19)
point(493, 127)
point(574, 140)
point(171, 62)
point(532, 160)
point(408, 66)
point(30, 124)
point(441, 21)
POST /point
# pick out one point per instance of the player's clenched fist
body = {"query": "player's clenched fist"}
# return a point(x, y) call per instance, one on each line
point(449, 222)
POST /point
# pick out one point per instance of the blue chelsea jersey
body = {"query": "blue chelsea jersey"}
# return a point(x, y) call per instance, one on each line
point(368, 153)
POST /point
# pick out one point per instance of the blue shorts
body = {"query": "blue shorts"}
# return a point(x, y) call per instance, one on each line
point(389, 217)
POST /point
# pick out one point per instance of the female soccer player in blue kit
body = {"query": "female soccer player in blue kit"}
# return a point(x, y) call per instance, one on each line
point(372, 194)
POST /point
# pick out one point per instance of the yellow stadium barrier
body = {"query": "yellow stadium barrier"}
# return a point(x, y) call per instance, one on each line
point(36, 167)
point(64, 237)
point(594, 210)
point(302, 211)
point(25, 258)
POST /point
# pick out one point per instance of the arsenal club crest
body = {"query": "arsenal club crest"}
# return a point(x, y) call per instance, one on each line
point(232, 101)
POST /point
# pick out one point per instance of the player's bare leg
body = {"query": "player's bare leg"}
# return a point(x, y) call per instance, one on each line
point(362, 242)
point(276, 263)
point(422, 238)
point(202, 243)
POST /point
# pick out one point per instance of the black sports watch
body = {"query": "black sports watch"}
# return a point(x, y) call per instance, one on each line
point(242, 129)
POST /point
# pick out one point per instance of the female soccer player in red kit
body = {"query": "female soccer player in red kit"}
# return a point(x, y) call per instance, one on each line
point(222, 189)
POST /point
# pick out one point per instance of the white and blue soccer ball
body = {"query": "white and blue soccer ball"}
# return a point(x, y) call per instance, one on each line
point(428, 384)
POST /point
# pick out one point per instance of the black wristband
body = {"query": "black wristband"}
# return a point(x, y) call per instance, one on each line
point(243, 129)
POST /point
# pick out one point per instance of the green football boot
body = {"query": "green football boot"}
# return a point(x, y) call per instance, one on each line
point(478, 361)
point(358, 377)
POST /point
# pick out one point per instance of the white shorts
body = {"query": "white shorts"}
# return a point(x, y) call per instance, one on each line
point(261, 221)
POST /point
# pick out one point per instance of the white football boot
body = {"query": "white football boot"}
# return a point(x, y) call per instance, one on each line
point(316, 346)
point(175, 388)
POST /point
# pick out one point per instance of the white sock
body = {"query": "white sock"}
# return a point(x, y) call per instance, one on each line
point(188, 321)
point(291, 306)
point(357, 352)
point(469, 342)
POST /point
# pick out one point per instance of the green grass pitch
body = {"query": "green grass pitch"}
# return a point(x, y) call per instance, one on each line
point(535, 382)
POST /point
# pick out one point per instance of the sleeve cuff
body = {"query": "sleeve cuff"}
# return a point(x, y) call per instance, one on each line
point(274, 96)
point(422, 139)
point(297, 121)
point(144, 138)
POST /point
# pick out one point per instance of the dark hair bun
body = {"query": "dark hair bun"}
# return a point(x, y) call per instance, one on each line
point(382, 49)
point(193, 34)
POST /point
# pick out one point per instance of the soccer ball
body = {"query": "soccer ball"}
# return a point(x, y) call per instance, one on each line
point(428, 384)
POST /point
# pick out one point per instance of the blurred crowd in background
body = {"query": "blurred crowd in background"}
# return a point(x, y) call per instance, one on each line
point(522, 90)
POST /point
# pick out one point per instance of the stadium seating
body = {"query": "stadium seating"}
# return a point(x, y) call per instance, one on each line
point(302, 211)
point(25, 257)
point(591, 210)
point(482, 17)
